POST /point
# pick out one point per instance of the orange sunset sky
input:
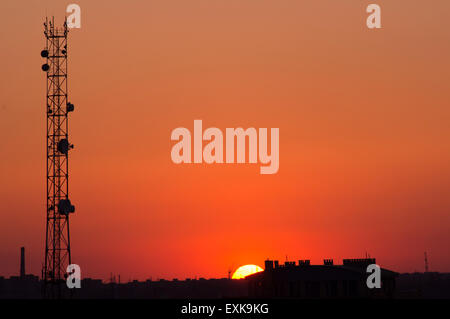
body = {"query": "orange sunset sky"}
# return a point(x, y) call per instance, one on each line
point(364, 134)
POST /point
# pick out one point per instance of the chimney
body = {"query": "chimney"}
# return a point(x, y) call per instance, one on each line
point(22, 262)
point(328, 262)
point(268, 265)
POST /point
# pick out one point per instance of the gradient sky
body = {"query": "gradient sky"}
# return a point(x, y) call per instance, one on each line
point(364, 134)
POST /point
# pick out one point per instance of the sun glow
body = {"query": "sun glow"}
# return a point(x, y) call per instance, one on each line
point(246, 270)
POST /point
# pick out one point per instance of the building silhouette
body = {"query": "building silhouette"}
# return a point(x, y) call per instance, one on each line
point(304, 280)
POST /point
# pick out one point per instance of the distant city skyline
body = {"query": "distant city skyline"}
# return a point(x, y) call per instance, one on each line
point(353, 278)
point(231, 273)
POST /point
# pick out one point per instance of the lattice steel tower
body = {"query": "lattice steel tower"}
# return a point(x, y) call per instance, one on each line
point(59, 207)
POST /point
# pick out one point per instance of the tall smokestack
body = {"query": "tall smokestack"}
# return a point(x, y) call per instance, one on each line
point(22, 262)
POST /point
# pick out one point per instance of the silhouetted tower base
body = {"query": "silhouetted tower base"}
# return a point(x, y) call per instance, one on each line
point(59, 207)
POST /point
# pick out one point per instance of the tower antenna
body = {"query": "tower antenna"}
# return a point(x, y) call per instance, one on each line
point(59, 207)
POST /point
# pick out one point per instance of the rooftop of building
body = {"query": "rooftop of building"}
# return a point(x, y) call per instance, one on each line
point(303, 270)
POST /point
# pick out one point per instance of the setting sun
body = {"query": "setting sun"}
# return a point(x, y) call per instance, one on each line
point(246, 270)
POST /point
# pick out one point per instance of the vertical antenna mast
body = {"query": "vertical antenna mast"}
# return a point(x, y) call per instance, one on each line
point(57, 241)
point(426, 262)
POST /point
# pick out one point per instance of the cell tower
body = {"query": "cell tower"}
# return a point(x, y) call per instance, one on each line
point(59, 207)
point(426, 261)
